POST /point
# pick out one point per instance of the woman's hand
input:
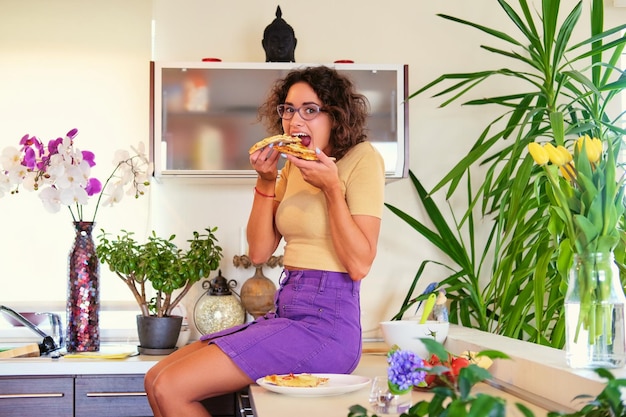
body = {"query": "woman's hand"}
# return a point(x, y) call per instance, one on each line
point(321, 174)
point(265, 163)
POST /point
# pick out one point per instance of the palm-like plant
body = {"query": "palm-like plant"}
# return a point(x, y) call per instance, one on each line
point(568, 92)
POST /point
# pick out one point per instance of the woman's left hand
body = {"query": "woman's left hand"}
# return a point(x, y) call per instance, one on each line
point(321, 173)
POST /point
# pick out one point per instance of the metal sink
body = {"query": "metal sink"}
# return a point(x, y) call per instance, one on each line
point(47, 345)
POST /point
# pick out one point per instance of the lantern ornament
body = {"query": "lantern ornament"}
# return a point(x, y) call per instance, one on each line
point(218, 308)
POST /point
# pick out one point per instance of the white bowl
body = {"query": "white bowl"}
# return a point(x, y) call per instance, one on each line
point(406, 334)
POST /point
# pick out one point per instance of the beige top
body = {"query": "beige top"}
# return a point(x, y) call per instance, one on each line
point(302, 217)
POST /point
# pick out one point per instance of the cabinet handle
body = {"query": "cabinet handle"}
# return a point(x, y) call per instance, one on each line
point(39, 395)
point(117, 394)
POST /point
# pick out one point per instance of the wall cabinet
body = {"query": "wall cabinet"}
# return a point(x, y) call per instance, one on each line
point(86, 396)
point(204, 114)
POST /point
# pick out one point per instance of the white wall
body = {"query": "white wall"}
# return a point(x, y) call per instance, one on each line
point(84, 64)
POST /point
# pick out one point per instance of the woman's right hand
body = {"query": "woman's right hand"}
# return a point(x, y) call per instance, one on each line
point(265, 163)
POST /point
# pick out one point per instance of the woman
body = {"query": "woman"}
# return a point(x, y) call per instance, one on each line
point(329, 213)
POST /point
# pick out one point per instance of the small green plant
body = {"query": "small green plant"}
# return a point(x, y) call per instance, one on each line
point(160, 263)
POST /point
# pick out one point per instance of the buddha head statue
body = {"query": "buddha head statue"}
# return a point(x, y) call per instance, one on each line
point(279, 40)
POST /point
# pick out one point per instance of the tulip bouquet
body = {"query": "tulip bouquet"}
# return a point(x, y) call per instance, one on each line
point(62, 174)
point(587, 203)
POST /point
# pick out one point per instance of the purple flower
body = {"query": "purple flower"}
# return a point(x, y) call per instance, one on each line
point(89, 157)
point(53, 146)
point(30, 159)
point(404, 369)
point(94, 186)
point(72, 133)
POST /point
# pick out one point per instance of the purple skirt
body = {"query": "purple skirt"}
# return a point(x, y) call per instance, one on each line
point(316, 328)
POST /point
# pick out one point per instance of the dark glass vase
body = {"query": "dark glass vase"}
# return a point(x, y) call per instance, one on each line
point(83, 292)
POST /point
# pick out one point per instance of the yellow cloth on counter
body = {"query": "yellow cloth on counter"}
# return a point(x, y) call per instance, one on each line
point(99, 355)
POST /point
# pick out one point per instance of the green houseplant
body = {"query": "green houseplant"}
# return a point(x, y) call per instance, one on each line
point(512, 282)
point(158, 262)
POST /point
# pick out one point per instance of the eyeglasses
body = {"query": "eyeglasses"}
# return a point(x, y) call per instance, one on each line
point(307, 111)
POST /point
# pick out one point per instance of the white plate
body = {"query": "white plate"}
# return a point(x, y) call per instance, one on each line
point(337, 384)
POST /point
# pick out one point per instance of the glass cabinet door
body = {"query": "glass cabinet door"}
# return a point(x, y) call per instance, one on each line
point(205, 114)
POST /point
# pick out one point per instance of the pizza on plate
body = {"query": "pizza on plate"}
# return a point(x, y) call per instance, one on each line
point(295, 380)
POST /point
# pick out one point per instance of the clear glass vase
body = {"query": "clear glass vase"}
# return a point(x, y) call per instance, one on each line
point(382, 401)
point(594, 313)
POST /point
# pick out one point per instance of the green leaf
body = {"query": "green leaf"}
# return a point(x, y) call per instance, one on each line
point(395, 389)
point(435, 348)
point(487, 405)
point(493, 354)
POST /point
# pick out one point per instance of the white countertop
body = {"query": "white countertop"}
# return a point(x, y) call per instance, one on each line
point(534, 372)
point(537, 376)
point(266, 403)
point(270, 404)
point(46, 365)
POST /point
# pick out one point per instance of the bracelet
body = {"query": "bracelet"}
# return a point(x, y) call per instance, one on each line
point(263, 195)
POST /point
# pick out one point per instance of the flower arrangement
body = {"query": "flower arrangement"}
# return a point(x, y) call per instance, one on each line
point(62, 174)
point(588, 197)
point(406, 370)
point(449, 377)
point(458, 399)
point(587, 202)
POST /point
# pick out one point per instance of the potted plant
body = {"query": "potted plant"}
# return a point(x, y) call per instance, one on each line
point(512, 282)
point(159, 263)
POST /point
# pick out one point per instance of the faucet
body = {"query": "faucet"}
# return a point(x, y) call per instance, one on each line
point(48, 344)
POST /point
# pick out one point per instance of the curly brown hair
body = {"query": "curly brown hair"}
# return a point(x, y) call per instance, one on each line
point(347, 108)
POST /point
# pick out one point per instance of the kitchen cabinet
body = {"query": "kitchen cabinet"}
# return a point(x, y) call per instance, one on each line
point(204, 114)
point(37, 396)
point(86, 395)
point(111, 396)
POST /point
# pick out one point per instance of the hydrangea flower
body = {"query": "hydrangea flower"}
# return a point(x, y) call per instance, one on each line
point(62, 174)
point(405, 370)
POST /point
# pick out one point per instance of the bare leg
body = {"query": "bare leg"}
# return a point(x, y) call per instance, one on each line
point(163, 363)
point(177, 384)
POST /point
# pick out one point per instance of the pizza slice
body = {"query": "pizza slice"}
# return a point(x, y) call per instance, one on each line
point(298, 150)
point(296, 380)
point(275, 140)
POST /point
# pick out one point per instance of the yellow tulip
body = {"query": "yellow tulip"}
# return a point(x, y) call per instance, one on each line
point(538, 153)
point(565, 154)
point(593, 147)
point(568, 171)
point(556, 157)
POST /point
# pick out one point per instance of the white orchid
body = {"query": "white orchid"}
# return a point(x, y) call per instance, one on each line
point(62, 174)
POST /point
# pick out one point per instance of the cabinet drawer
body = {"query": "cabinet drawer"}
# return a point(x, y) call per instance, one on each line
point(37, 396)
point(111, 396)
point(124, 396)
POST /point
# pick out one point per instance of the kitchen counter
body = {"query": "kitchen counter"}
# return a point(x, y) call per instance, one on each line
point(45, 365)
point(266, 403)
point(535, 375)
